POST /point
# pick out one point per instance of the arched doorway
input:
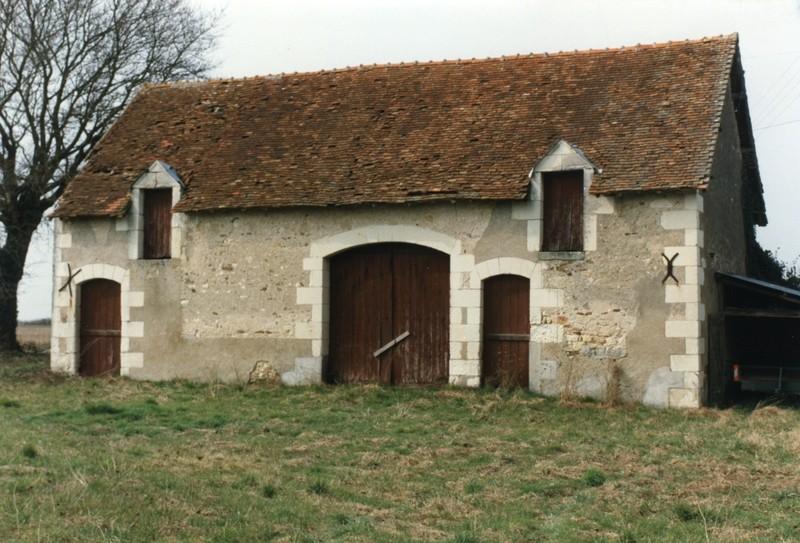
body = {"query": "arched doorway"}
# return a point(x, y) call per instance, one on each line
point(389, 315)
point(100, 326)
point(506, 330)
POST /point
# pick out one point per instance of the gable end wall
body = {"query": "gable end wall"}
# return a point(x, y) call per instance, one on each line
point(727, 228)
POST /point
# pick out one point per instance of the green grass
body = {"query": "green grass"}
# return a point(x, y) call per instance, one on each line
point(594, 477)
point(99, 460)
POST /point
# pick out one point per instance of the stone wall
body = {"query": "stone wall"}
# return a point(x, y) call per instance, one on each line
point(249, 289)
point(610, 328)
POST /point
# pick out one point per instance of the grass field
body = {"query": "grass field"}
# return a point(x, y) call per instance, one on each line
point(96, 460)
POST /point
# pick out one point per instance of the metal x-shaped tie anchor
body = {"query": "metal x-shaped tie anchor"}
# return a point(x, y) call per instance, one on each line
point(70, 277)
point(670, 268)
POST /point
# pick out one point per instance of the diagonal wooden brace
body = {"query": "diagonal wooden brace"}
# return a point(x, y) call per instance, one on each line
point(391, 344)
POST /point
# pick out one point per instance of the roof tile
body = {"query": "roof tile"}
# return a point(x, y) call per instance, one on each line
point(646, 115)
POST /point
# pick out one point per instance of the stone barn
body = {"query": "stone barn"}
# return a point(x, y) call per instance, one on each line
point(550, 221)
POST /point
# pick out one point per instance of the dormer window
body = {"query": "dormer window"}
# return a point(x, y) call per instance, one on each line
point(155, 231)
point(157, 223)
point(560, 185)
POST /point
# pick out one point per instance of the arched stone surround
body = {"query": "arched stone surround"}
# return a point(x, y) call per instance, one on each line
point(65, 341)
point(316, 293)
point(465, 296)
point(538, 296)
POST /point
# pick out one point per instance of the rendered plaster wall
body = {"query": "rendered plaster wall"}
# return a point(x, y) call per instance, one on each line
point(230, 300)
point(242, 291)
point(242, 271)
point(606, 335)
point(104, 242)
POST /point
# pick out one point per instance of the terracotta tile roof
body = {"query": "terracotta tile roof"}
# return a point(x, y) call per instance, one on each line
point(646, 115)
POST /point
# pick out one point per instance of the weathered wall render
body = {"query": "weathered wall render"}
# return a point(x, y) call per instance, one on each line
point(249, 288)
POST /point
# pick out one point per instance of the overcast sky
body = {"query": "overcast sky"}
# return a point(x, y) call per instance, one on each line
point(261, 37)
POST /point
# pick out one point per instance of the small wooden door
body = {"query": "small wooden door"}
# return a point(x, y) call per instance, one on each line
point(100, 324)
point(385, 292)
point(157, 223)
point(506, 330)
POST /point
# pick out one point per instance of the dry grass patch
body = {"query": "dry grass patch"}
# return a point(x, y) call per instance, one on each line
point(34, 334)
point(126, 461)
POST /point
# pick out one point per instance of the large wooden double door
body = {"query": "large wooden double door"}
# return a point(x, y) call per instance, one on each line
point(389, 313)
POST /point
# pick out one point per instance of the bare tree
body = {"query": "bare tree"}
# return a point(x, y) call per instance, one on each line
point(67, 69)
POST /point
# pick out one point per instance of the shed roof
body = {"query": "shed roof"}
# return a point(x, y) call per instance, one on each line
point(764, 287)
point(647, 116)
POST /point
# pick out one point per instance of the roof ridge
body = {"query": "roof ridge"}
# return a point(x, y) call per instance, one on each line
point(733, 37)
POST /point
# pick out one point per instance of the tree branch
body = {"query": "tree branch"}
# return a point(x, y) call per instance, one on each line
point(67, 70)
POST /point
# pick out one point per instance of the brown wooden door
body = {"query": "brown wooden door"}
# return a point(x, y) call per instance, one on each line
point(360, 315)
point(100, 324)
point(421, 299)
point(563, 211)
point(506, 330)
point(157, 219)
point(379, 292)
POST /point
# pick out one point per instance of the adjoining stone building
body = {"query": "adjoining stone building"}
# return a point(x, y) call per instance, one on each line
point(501, 220)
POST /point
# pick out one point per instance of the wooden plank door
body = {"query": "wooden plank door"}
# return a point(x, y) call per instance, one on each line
point(360, 316)
point(157, 223)
point(377, 294)
point(421, 300)
point(562, 204)
point(100, 325)
point(506, 330)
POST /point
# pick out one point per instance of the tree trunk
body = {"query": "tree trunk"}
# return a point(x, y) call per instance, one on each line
point(12, 266)
point(8, 312)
